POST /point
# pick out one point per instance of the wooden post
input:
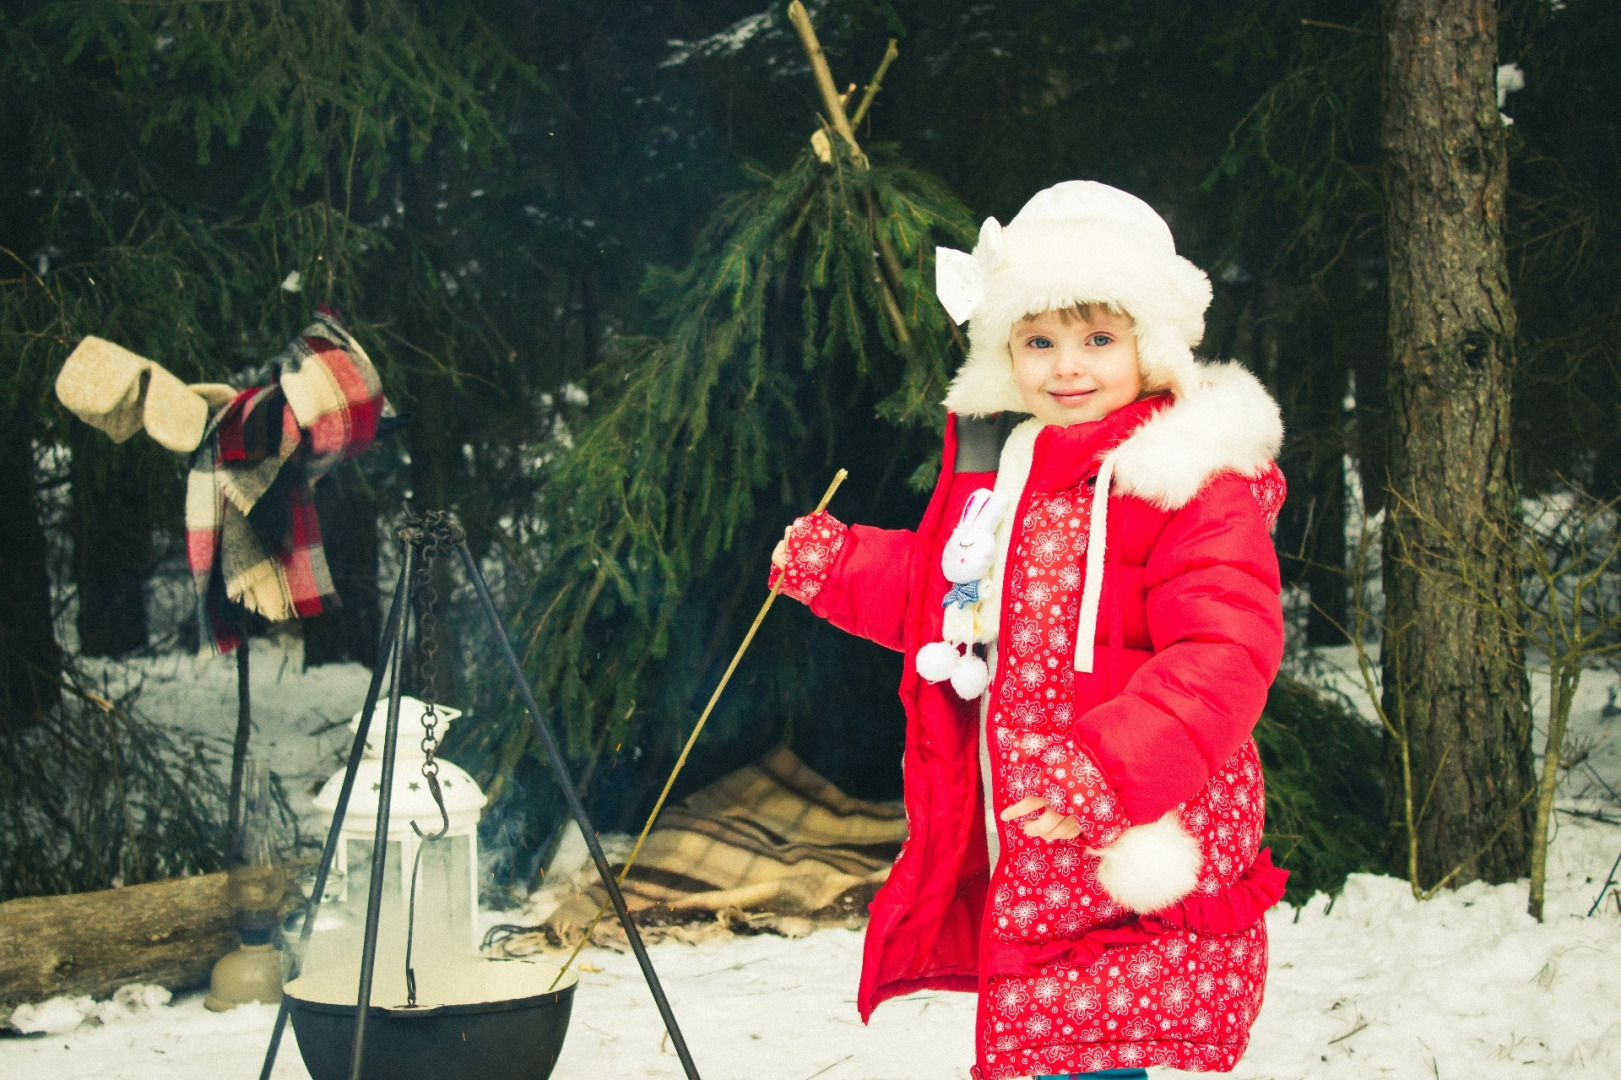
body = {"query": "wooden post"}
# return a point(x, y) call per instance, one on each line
point(239, 747)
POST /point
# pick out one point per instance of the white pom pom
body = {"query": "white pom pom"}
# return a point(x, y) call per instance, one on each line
point(1150, 866)
point(936, 661)
point(970, 677)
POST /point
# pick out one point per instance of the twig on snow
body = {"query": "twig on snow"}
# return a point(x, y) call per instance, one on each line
point(1360, 1024)
point(824, 1068)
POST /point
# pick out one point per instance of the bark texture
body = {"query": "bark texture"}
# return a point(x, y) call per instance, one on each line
point(29, 657)
point(1452, 667)
point(168, 933)
point(112, 542)
point(347, 508)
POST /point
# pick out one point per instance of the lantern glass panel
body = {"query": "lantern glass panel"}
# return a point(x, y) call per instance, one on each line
point(444, 917)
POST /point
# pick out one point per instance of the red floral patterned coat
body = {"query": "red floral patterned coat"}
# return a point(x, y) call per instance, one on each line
point(1142, 941)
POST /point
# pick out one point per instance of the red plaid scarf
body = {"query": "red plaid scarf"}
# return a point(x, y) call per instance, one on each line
point(252, 538)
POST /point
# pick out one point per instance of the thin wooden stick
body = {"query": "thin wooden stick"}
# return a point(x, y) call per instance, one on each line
point(843, 126)
point(680, 762)
point(887, 274)
point(872, 88)
point(824, 77)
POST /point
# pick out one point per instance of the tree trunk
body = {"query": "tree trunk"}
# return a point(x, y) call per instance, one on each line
point(112, 542)
point(347, 508)
point(1326, 579)
point(1368, 367)
point(29, 658)
point(1311, 529)
point(432, 437)
point(1452, 664)
point(1330, 612)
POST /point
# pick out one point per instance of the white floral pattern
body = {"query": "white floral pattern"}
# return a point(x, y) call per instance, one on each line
point(1181, 999)
point(1269, 490)
point(814, 543)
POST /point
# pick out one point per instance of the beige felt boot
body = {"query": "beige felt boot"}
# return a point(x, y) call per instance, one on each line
point(175, 415)
point(102, 384)
point(119, 392)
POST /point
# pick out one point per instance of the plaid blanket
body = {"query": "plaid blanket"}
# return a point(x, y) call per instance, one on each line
point(773, 837)
point(252, 538)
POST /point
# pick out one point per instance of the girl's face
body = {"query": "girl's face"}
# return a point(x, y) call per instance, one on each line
point(1073, 367)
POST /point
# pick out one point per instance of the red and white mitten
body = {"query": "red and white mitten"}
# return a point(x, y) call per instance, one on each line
point(813, 545)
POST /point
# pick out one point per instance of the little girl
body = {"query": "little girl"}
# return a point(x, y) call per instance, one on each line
point(1090, 612)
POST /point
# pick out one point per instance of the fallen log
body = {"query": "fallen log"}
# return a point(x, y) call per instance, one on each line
point(168, 933)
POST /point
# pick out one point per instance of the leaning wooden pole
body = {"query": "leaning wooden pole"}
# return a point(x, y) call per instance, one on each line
point(886, 276)
point(831, 101)
point(239, 747)
point(873, 87)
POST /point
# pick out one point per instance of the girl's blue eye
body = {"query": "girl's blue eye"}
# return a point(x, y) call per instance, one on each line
point(1099, 340)
point(1040, 343)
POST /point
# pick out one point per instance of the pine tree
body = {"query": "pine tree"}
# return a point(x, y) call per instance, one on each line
point(803, 335)
point(186, 179)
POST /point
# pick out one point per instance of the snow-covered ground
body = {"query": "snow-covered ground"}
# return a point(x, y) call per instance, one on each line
point(299, 717)
point(1369, 984)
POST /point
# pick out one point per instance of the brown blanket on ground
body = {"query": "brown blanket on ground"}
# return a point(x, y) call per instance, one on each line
point(771, 837)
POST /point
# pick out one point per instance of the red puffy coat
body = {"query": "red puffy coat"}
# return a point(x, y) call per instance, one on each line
point(1141, 942)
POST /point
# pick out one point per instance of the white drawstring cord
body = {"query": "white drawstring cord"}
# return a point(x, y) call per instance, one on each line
point(1097, 534)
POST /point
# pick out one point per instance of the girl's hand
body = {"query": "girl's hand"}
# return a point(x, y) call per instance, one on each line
point(1047, 825)
point(779, 554)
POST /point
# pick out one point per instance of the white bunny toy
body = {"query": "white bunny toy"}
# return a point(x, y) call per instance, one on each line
point(966, 561)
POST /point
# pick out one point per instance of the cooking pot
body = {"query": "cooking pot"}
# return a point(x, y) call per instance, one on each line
point(474, 1017)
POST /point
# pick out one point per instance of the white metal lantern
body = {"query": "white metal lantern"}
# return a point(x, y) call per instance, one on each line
point(447, 879)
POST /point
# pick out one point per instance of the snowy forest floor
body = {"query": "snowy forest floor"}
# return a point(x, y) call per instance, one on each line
point(1370, 983)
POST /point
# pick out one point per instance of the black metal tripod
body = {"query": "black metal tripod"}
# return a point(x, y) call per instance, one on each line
point(436, 531)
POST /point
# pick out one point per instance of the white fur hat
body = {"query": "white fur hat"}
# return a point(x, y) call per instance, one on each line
point(1075, 243)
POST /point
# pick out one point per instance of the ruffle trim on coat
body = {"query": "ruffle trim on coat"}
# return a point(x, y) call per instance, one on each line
point(1234, 909)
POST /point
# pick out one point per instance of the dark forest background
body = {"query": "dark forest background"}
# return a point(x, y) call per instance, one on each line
point(518, 205)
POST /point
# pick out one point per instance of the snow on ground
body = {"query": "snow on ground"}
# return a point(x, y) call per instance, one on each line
point(1466, 985)
point(1370, 983)
point(299, 716)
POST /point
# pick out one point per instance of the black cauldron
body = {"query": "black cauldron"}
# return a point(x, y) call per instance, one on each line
point(491, 1019)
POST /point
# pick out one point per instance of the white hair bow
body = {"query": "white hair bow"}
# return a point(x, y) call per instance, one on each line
point(960, 279)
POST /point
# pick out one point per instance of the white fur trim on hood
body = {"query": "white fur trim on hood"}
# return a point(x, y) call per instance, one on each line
point(1228, 423)
point(1224, 421)
point(1076, 242)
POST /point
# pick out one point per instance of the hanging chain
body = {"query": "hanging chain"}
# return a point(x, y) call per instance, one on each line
point(432, 535)
point(428, 655)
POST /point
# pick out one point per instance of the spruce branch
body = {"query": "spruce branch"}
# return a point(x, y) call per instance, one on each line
point(783, 326)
